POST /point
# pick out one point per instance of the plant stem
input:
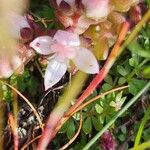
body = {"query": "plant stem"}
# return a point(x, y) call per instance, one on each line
point(142, 146)
point(128, 105)
point(1, 117)
point(15, 104)
point(64, 102)
point(139, 134)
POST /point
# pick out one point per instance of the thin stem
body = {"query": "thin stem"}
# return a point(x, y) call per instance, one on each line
point(75, 136)
point(39, 68)
point(15, 104)
point(98, 97)
point(27, 101)
point(139, 134)
point(128, 105)
point(13, 125)
point(136, 30)
point(142, 146)
point(1, 117)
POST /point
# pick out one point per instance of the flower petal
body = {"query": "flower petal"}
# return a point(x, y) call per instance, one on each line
point(86, 61)
point(96, 9)
point(54, 72)
point(67, 38)
point(42, 45)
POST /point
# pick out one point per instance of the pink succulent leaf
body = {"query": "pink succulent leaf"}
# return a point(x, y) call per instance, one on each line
point(36, 29)
point(67, 38)
point(65, 20)
point(26, 33)
point(42, 45)
point(70, 2)
point(81, 25)
point(96, 9)
point(16, 23)
point(86, 61)
point(54, 72)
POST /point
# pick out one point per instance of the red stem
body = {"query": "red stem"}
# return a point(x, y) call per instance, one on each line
point(103, 72)
point(14, 130)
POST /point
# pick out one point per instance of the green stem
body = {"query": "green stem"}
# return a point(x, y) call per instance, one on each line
point(139, 134)
point(136, 29)
point(64, 102)
point(142, 146)
point(106, 127)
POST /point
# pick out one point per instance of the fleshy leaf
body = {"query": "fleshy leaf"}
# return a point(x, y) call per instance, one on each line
point(54, 72)
point(67, 38)
point(42, 45)
point(70, 2)
point(96, 9)
point(86, 61)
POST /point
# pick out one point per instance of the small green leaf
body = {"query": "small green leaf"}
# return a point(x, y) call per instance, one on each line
point(96, 123)
point(133, 62)
point(121, 70)
point(106, 87)
point(124, 129)
point(70, 129)
point(118, 96)
point(87, 126)
point(146, 72)
point(121, 80)
point(136, 85)
point(136, 48)
point(109, 80)
point(98, 108)
point(122, 137)
point(101, 119)
point(64, 127)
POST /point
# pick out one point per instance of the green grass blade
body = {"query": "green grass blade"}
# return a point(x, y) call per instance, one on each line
point(139, 134)
point(142, 146)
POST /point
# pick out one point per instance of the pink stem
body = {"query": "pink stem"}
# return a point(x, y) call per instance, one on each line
point(103, 72)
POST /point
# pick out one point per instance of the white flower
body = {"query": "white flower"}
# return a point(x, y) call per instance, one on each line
point(65, 46)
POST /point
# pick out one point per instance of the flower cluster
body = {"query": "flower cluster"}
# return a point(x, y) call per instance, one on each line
point(107, 141)
point(79, 15)
point(99, 20)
